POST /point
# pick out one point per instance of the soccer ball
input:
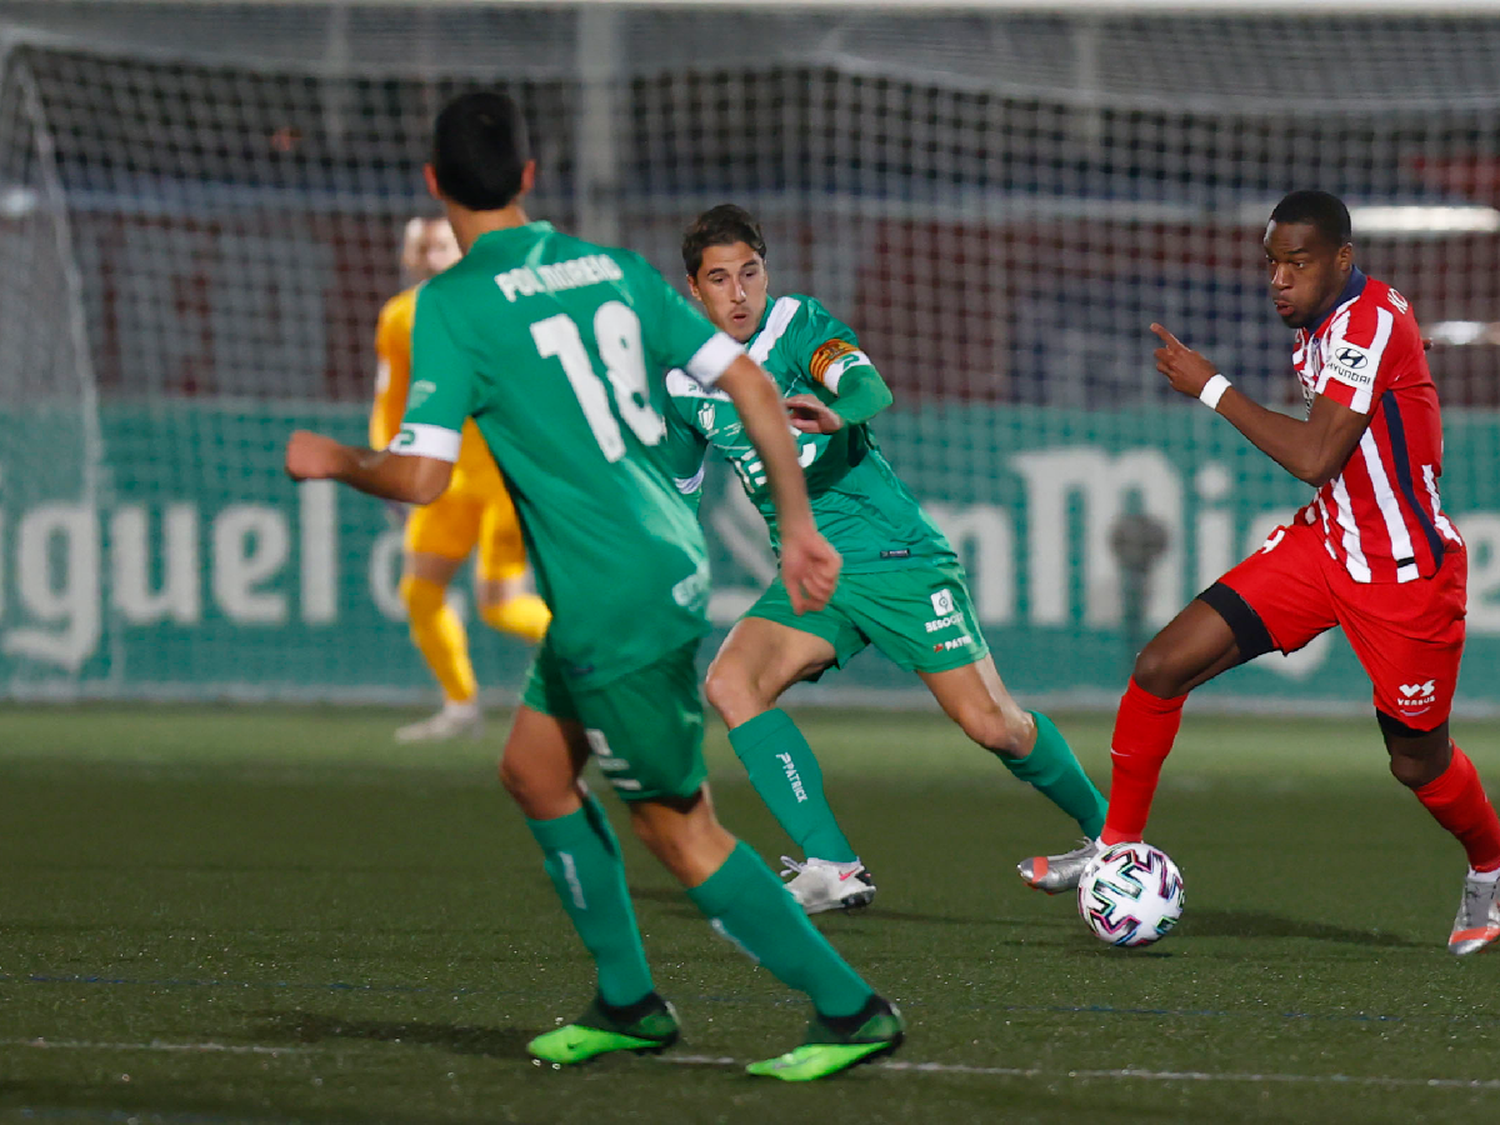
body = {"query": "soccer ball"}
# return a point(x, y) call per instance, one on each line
point(1130, 894)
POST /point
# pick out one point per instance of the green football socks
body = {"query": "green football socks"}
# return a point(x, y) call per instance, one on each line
point(750, 906)
point(1053, 771)
point(789, 780)
point(582, 857)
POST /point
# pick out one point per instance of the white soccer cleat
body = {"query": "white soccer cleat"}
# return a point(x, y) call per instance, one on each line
point(1478, 921)
point(1058, 873)
point(821, 884)
point(455, 720)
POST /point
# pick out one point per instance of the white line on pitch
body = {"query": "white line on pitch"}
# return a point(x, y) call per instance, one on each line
point(205, 1048)
point(1137, 1075)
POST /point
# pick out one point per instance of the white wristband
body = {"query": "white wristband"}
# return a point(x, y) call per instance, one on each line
point(1213, 391)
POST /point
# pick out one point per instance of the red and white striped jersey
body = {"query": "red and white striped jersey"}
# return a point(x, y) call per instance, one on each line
point(1381, 516)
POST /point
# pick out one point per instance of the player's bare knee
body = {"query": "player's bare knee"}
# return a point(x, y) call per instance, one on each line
point(992, 728)
point(730, 691)
point(530, 790)
point(1156, 672)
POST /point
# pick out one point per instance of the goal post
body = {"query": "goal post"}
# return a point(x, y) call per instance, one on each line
point(199, 214)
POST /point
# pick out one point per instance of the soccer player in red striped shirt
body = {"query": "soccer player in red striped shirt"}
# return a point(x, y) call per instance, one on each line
point(1372, 553)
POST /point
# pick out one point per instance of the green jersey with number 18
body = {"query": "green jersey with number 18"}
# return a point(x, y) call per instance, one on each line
point(861, 506)
point(554, 346)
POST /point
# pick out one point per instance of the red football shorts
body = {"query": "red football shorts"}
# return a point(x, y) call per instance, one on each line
point(1408, 636)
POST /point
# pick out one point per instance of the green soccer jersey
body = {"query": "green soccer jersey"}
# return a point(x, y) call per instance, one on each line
point(555, 347)
point(861, 505)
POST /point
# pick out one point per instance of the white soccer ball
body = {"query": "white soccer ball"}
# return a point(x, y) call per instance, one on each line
point(1130, 894)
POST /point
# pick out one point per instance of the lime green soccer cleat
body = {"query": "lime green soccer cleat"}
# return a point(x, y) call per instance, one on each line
point(837, 1044)
point(647, 1026)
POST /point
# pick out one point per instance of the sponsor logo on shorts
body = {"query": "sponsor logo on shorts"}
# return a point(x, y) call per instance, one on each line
point(955, 642)
point(793, 777)
point(904, 553)
point(1273, 540)
point(1416, 698)
point(948, 622)
point(692, 590)
point(609, 762)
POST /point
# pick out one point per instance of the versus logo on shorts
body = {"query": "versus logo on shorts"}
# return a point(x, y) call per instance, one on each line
point(1416, 698)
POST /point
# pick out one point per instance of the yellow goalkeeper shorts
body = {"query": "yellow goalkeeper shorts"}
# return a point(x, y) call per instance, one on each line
point(461, 519)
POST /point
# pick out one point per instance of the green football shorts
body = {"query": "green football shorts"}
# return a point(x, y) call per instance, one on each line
point(645, 728)
point(920, 616)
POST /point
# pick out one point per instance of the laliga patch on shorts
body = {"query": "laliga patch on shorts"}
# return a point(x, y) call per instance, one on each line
point(949, 616)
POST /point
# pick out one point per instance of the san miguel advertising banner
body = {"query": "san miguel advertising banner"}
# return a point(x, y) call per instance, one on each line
point(159, 552)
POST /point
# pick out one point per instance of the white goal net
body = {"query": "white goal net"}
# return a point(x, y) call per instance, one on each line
point(199, 214)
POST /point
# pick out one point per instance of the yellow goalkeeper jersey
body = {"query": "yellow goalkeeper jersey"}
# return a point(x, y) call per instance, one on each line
point(475, 470)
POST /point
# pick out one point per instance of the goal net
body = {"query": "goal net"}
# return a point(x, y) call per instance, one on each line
point(196, 239)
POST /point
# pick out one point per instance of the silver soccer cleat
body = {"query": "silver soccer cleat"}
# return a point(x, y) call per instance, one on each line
point(460, 720)
point(1058, 873)
point(821, 884)
point(1478, 921)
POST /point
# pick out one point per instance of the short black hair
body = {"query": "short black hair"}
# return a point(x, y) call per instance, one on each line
point(1324, 212)
point(723, 225)
point(480, 149)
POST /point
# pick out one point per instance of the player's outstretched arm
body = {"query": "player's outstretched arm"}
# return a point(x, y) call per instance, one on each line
point(1314, 450)
point(809, 563)
point(862, 394)
point(391, 476)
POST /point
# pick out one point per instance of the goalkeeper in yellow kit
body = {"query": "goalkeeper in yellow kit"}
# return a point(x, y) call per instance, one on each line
point(474, 511)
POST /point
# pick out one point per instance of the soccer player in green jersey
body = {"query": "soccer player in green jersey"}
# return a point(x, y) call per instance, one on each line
point(903, 589)
point(556, 348)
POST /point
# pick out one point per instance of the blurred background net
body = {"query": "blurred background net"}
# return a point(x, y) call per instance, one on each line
point(200, 205)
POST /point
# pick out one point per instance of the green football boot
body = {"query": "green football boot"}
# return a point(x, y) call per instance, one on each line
point(648, 1026)
point(836, 1044)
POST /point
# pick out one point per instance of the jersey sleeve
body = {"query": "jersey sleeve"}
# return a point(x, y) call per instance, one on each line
point(393, 371)
point(684, 447)
point(444, 388)
point(1359, 361)
point(674, 333)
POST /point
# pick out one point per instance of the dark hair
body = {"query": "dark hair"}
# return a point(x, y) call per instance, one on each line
point(1325, 213)
point(479, 150)
point(723, 225)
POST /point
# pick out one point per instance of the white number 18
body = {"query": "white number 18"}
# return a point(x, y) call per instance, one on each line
point(618, 332)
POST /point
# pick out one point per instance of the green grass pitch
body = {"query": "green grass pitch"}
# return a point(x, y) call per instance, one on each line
point(276, 915)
